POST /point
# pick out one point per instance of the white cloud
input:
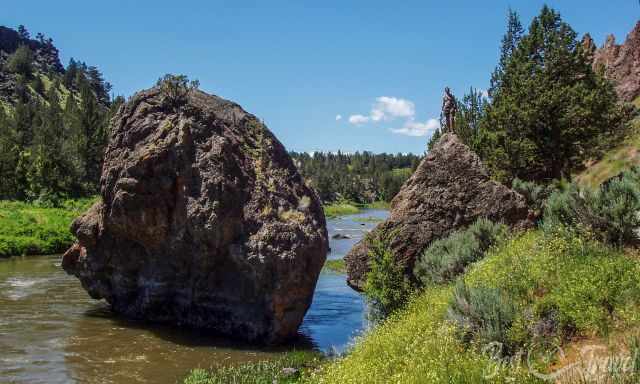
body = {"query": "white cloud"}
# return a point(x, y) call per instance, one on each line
point(358, 119)
point(388, 108)
point(338, 117)
point(415, 128)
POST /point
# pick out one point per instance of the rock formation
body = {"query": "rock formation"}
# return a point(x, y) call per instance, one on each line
point(621, 64)
point(449, 190)
point(204, 222)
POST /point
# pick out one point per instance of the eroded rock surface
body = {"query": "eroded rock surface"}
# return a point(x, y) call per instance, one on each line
point(204, 222)
point(621, 64)
point(449, 190)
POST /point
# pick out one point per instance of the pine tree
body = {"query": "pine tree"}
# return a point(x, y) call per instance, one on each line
point(8, 156)
point(550, 111)
point(509, 44)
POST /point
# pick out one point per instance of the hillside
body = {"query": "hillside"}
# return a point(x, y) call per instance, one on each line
point(52, 121)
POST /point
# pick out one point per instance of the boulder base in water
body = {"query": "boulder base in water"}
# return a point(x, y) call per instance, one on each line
point(204, 222)
point(449, 190)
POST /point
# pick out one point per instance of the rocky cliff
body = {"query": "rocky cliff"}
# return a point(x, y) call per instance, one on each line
point(621, 63)
point(204, 222)
point(449, 190)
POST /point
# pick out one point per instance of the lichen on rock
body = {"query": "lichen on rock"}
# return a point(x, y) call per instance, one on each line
point(449, 190)
point(204, 222)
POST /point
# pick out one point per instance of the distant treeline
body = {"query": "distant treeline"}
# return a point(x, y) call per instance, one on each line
point(361, 177)
point(53, 129)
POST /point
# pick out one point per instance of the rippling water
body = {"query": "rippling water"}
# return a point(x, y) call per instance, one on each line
point(51, 331)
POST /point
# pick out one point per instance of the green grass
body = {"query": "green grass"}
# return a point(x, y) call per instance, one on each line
point(591, 289)
point(27, 229)
point(343, 208)
point(615, 161)
point(377, 205)
point(415, 346)
point(336, 266)
point(594, 289)
point(263, 372)
point(334, 210)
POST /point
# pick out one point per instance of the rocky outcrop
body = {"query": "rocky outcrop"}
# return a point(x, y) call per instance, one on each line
point(204, 222)
point(621, 64)
point(449, 190)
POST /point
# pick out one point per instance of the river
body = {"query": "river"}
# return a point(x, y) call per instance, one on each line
point(52, 332)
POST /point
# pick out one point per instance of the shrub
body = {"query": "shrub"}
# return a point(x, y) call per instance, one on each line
point(387, 287)
point(483, 314)
point(535, 194)
point(564, 284)
point(447, 258)
point(611, 213)
point(175, 89)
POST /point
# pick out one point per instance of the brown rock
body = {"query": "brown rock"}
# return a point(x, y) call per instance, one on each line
point(204, 222)
point(621, 64)
point(449, 190)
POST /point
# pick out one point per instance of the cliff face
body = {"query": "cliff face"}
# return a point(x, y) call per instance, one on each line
point(621, 64)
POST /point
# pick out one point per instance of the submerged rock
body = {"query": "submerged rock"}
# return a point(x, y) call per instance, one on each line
point(204, 222)
point(449, 190)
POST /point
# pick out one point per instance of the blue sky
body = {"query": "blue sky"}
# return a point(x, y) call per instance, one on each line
point(299, 64)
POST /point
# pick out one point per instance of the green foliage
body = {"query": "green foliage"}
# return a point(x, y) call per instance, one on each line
point(610, 212)
point(336, 266)
point(175, 89)
point(361, 177)
point(21, 62)
point(482, 314)
point(417, 345)
point(535, 194)
point(340, 208)
point(28, 229)
point(387, 287)
point(50, 153)
point(447, 258)
point(562, 285)
point(262, 372)
point(549, 110)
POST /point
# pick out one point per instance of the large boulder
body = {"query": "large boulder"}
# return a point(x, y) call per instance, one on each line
point(449, 190)
point(621, 64)
point(204, 222)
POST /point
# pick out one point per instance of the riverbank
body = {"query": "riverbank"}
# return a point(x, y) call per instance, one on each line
point(30, 229)
point(343, 208)
point(583, 291)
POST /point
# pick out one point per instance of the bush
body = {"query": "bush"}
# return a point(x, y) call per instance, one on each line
point(483, 314)
point(447, 258)
point(535, 194)
point(387, 287)
point(611, 213)
point(175, 89)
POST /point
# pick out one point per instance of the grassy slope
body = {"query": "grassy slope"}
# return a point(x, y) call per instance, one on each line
point(594, 289)
point(26, 229)
point(617, 160)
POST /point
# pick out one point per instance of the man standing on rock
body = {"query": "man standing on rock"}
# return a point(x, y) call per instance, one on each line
point(449, 110)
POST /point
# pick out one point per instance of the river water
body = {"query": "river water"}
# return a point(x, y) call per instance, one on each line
point(52, 332)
